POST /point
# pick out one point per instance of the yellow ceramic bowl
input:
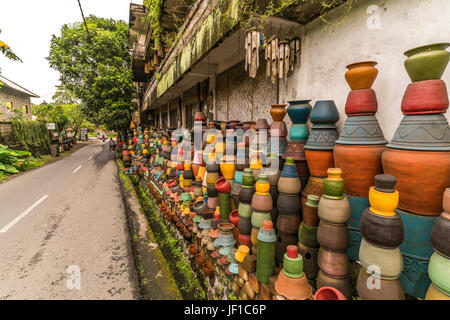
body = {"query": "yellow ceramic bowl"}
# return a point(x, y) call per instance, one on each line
point(201, 172)
point(382, 203)
point(228, 170)
point(212, 177)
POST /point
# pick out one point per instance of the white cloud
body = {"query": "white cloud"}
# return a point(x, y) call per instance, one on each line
point(27, 27)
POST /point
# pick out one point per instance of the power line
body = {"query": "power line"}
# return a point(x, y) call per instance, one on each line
point(85, 24)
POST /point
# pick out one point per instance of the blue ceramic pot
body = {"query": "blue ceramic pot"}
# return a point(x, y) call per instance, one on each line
point(299, 132)
point(361, 130)
point(238, 176)
point(357, 207)
point(324, 112)
point(299, 111)
point(289, 169)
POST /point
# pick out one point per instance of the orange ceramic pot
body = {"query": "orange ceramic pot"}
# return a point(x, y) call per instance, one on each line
point(293, 289)
point(422, 178)
point(319, 161)
point(314, 186)
point(359, 164)
point(342, 284)
point(278, 112)
point(361, 75)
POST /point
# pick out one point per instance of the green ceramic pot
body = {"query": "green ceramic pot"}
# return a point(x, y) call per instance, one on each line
point(439, 270)
point(248, 178)
point(258, 217)
point(265, 255)
point(308, 236)
point(427, 62)
point(225, 206)
point(333, 189)
point(245, 210)
point(293, 267)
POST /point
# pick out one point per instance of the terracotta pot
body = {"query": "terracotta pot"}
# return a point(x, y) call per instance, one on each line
point(361, 103)
point(246, 194)
point(329, 293)
point(309, 255)
point(334, 211)
point(226, 228)
point(425, 97)
point(295, 150)
point(333, 263)
point(427, 62)
point(314, 186)
point(223, 185)
point(359, 164)
point(319, 161)
point(426, 169)
point(361, 75)
point(200, 258)
point(390, 261)
point(288, 223)
point(309, 211)
point(288, 203)
point(193, 248)
point(278, 112)
point(383, 232)
point(245, 239)
point(262, 202)
point(440, 234)
point(333, 236)
point(213, 203)
point(438, 270)
point(293, 289)
point(208, 268)
point(387, 289)
point(278, 129)
point(435, 294)
point(341, 284)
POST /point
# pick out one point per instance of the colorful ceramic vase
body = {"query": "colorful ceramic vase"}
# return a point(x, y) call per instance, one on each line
point(361, 75)
point(266, 252)
point(427, 62)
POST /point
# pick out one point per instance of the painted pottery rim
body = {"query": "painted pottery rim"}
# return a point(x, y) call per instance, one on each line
point(293, 102)
point(428, 47)
point(352, 65)
point(278, 105)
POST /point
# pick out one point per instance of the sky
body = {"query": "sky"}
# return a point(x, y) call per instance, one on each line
point(27, 27)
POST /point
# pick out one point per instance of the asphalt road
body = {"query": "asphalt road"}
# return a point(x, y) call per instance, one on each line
point(63, 231)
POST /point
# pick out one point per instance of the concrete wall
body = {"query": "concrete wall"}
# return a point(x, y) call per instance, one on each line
point(374, 30)
point(18, 100)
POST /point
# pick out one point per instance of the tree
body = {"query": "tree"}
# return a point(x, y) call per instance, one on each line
point(95, 67)
point(8, 53)
point(75, 116)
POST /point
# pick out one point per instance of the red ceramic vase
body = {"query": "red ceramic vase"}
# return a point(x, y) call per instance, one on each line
point(425, 97)
point(361, 102)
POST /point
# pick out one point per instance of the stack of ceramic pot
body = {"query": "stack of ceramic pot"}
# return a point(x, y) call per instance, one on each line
point(419, 155)
point(188, 176)
point(278, 130)
point(440, 260)
point(288, 206)
point(224, 242)
point(261, 206)
point(223, 187)
point(379, 254)
point(260, 138)
point(320, 145)
point(241, 163)
point(307, 238)
point(292, 282)
point(272, 170)
point(245, 209)
point(333, 235)
point(358, 149)
point(212, 175)
point(298, 112)
point(265, 262)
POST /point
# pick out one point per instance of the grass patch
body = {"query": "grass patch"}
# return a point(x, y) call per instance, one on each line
point(185, 278)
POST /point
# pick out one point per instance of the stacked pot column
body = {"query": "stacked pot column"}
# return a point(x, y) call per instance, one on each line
point(241, 163)
point(298, 112)
point(319, 156)
point(288, 206)
point(262, 207)
point(359, 147)
point(278, 130)
point(419, 157)
point(265, 262)
point(379, 255)
point(333, 235)
point(440, 260)
point(247, 235)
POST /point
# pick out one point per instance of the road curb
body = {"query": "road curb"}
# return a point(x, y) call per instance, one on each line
point(155, 278)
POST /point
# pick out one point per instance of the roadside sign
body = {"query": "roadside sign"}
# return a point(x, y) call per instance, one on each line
point(51, 126)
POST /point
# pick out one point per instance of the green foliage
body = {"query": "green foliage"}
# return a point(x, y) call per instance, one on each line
point(31, 135)
point(154, 14)
point(12, 160)
point(96, 69)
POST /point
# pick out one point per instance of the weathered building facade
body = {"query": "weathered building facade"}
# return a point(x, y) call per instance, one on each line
point(13, 96)
point(205, 68)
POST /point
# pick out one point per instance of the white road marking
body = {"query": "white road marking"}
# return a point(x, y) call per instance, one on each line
point(77, 169)
point(18, 218)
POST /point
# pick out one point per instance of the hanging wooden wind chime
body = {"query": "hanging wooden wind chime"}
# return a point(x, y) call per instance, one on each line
point(252, 45)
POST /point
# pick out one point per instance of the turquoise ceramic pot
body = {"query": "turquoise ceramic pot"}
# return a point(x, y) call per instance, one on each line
point(355, 243)
point(357, 207)
point(299, 132)
point(299, 111)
